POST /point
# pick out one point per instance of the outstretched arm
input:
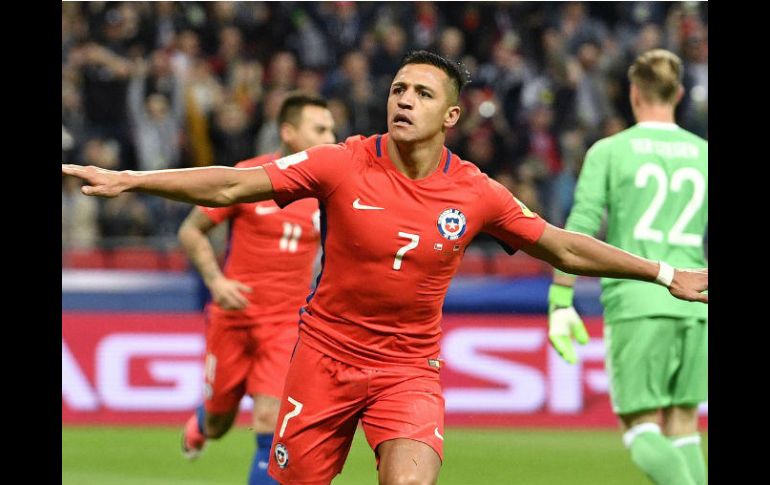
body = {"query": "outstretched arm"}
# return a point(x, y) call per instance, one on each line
point(208, 186)
point(579, 254)
point(227, 293)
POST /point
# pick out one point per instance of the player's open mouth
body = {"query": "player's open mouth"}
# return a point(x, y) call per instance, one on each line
point(401, 120)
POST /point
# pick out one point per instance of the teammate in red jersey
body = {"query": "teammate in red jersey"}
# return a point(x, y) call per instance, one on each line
point(397, 212)
point(251, 324)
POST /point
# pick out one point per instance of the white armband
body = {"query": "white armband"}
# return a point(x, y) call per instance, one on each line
point(665, 274)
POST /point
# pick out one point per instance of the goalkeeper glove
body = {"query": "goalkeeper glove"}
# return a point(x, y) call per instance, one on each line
point(564, 322)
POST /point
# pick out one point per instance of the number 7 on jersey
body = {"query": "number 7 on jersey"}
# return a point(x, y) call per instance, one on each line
point(414, 241)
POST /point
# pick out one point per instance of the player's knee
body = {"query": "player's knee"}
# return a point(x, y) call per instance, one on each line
point(680, 420)
point(265, 414)
point(407, 477)
point(640, 417)
point(265, 417)
point(263, 424)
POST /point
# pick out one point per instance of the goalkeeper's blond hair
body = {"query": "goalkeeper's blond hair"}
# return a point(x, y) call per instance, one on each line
point(657, 74)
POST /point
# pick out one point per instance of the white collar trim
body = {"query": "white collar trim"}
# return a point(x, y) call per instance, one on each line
point(658, 124)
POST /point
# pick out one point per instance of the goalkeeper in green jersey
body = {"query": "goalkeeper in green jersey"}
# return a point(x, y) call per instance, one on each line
point(652, 180)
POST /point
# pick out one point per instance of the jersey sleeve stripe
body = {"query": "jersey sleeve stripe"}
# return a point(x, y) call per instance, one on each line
point(322, 209)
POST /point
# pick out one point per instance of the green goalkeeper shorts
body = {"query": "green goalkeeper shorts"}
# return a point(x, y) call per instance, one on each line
point(656, 362)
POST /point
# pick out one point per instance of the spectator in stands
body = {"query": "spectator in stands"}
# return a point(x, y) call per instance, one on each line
point(451, 44)
point(72, 116)
point(104, 75)
point(427, 24)
point(591, 100)
point(310, 41)
point(569, 56)
point(354, 85)
point(282, 72)
point(391, 48)
point(184, 53)
point(343, 27)
point(229, 52)
point(578, 27)
point(156, 119)
point(245, 82)
point(341, 118)
point(203, 94)
point(484, 132)
point(696, 82)
point(309, 81)
point(268, 138)
point(78, 217)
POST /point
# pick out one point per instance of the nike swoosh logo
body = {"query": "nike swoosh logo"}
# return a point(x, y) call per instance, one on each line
point(263, 210)
point(358, 205)
point(438, 435)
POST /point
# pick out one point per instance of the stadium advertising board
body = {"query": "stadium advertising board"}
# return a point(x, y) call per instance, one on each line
point(497, 370)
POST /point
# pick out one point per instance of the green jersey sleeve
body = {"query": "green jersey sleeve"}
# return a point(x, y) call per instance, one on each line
point(591, 191)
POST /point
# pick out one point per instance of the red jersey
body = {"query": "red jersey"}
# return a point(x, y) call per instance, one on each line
point(391, 245)
point(271, 250)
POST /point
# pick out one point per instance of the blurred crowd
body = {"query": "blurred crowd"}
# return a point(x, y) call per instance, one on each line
point(155, 85)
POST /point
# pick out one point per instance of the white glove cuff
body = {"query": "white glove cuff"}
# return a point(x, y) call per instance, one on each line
point(665, 274)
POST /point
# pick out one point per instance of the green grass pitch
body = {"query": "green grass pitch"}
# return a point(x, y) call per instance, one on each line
point(150, 456)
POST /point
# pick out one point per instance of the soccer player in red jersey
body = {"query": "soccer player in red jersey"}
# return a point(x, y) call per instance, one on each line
point(251, 324)
point(397, 212)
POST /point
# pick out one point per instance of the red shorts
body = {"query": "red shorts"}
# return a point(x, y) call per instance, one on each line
point(323, 400)
point(245, 360)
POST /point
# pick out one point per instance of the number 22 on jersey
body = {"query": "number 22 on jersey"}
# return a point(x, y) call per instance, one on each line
point(643, 230)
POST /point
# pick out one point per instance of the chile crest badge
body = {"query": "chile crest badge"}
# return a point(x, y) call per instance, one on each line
point(451, 224)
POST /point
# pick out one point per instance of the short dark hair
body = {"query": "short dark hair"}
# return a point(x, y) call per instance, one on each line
point(291, 109)
point(456, 71)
